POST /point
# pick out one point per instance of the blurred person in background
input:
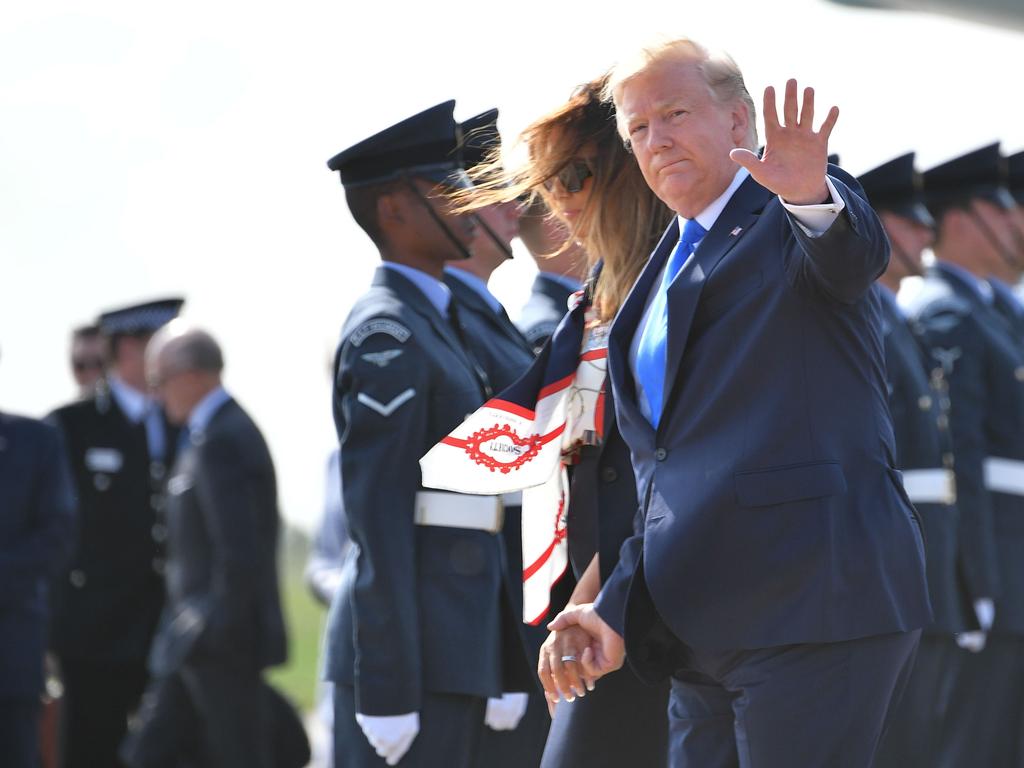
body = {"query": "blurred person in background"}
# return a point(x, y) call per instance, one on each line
point(983, 364)
point(223, 623)
point(580, 169)
point(561, 270)
point(919, 405)
point(88, 358)
point(37, 517)
point(107, 603)
point(323, 576)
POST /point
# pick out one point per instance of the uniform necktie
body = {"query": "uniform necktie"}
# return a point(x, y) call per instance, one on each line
point(650, 354)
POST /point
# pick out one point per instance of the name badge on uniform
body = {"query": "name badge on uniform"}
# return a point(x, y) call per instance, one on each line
point(107, 460)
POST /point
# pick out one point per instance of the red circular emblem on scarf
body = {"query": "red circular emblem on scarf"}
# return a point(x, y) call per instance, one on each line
point(500, 448)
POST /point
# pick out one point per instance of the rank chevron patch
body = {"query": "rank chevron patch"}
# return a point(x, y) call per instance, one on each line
point(386, 409)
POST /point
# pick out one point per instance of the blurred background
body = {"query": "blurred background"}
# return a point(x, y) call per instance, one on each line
point(156, 149)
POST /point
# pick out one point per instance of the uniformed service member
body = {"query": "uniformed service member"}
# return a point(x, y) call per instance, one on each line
point(517, 722)
point(561, 269)
point(984, 367)
point(421, 631)
point(106, 605)
point(919, 406)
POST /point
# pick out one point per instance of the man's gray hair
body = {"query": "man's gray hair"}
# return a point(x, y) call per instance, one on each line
point(183, 347)
point(721, 73)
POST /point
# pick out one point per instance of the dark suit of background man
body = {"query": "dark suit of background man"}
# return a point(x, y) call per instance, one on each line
point(517, 722)
point(222, 624)
point(919, 404)
point(107, 603)
point(780, 575)
point(983, 361)
point(37, 511)
point(561, 269)
point(421, 632)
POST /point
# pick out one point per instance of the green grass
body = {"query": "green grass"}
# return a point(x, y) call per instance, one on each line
point(305, 618)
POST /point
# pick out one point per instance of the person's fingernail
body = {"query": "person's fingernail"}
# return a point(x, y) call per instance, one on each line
point(578, 693)
point(590, 685)
point(570, 699)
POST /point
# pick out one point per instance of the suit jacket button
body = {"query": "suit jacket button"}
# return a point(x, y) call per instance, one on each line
point(77, 579)
point(101, 481)
point(660, 454)
point(924, 402)
point(158, 565)
point(609, 475)
point(159, 532)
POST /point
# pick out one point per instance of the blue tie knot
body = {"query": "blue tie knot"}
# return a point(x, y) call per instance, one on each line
point(693, 233)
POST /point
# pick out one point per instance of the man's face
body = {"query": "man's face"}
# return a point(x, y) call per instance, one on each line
point(503, 221)
point(909, 240)
point(173, 388)
point(681, 135)
point(995, 227)
point(422, 224)
point(87, 354)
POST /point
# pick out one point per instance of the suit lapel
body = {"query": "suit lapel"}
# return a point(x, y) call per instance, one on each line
point(739, 216)
point(627, 324)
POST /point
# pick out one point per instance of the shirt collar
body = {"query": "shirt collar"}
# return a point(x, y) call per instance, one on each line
point(709, 215)
point(569, 283)
point(476, 284)
point(204, 410)
point(133, 404)
point(982, 289)
point(437, 293)
point(1005, 292)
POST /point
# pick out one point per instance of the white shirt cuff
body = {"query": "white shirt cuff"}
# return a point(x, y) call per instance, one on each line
point(816, 219)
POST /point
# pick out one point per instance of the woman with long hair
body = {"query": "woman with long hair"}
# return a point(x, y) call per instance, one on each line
point(578, 166)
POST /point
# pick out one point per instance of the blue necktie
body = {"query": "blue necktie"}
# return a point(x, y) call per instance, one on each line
point(650, 354)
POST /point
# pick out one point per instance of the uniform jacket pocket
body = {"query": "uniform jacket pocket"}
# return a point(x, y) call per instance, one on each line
point(779, 485)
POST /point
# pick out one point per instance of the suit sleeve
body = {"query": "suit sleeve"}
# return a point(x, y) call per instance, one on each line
point(232, 490)
point(844, 260)
point(43, 550)
point(381, 403)
point(611, 601)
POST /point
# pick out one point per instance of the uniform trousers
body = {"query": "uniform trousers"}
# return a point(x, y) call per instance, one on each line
point(810, 705)
point(521, 747)
point(985, 722)
point(19, 732)
point(916, 730)
point(450, 729)
point(98, 700)
point(622, 722)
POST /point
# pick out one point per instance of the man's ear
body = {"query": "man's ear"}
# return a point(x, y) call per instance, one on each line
point(740, 123)
point(390, 208)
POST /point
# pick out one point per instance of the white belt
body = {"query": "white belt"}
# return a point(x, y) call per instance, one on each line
point(460, 510)
point(930, 486)
point(1004, 475)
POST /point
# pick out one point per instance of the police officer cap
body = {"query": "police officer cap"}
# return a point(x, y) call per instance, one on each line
point(1015, 166)
point(897, 187)
point(140, 319)
point(480, 139)
point(980, 174)
point(424, 145)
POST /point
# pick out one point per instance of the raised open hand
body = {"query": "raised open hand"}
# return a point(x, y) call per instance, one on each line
point(795, 155)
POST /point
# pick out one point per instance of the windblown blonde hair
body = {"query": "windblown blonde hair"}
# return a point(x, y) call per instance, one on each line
point(623, 219)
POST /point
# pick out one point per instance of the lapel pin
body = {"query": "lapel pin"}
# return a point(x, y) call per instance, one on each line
point(736, 232)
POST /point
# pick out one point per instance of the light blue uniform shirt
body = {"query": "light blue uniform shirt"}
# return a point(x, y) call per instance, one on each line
point(437, 293)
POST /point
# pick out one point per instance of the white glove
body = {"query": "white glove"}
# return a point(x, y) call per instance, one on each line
point(985, 610)
point(505, 713)
point(390, 736)
point(972, 641)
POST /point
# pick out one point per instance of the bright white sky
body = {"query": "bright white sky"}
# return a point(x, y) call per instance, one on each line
point(151, 149)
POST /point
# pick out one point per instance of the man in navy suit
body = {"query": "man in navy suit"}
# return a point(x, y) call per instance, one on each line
point(36, 534)
point(778, 577)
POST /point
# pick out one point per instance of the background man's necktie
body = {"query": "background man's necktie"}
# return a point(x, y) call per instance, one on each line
point(650, 355)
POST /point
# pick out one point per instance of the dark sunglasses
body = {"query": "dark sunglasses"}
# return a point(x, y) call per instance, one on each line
point(572, 176)
point(87, 364)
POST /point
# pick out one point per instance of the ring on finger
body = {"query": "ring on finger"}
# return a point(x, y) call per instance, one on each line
point(568, 657)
